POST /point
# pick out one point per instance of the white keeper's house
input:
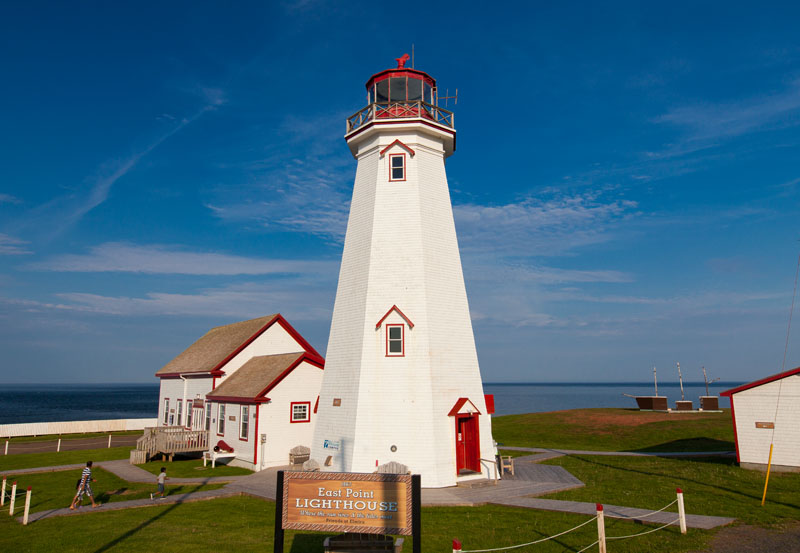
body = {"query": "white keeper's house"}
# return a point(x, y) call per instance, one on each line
point(401, 381)
point(765, 412)
point(252, 386)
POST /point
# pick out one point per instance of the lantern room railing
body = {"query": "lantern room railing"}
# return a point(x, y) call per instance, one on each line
point(379, 111)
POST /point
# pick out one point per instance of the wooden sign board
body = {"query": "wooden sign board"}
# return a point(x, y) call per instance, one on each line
point(765, 425)
point(347, 502)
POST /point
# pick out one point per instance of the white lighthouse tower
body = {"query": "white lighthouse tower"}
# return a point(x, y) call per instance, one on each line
point(401, 380)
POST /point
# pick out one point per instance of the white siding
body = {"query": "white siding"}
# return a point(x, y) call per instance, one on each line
point(759, 405)
point(275, 340)
point(177, 388)
point(400, 249)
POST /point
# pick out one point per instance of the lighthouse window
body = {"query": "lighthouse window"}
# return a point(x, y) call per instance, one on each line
point(414, 90)
point(397, 89)
point(397, 164)
point(428, 97)
point(382, 91)
point(394, 341)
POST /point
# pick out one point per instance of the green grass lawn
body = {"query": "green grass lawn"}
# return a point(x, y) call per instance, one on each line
point(245, 524)
point(55, 490)
point(711, 486)
point(65, 437)
point(192, 468)
point(617, 430)
point(33, 460)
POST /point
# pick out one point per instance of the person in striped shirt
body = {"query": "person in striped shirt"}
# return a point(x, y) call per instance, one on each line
point(84, 487)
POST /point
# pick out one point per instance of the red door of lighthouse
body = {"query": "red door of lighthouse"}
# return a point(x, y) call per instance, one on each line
point(467, 443)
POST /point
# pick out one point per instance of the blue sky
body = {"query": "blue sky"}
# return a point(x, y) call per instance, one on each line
point(626, 186)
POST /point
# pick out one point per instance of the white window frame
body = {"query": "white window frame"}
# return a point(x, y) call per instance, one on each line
point(220, 419)
point(189, 413)
point(244, 422)
point(179, 412)
point(403, 167)
point(166, 410)
point(208, 415)
point(390, 340)
point(307, 405)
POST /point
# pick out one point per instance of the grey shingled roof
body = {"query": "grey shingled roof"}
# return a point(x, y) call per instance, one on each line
point(255, 375)
point(216, 345)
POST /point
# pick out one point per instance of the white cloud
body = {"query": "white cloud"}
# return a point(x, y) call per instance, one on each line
point(159, 259)
point(709, 122)
point(12, 246)
point(9, 199)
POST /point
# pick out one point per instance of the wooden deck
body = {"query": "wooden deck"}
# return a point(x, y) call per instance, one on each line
point(169, 440)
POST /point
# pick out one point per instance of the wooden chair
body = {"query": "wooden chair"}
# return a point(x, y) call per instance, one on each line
point(506, 463)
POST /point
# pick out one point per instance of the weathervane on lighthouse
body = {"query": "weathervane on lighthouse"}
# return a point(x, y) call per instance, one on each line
point(402, 382)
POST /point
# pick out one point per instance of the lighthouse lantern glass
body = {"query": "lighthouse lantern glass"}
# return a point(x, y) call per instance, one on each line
point(414, 90)
point(382, 91)
point(397, 89)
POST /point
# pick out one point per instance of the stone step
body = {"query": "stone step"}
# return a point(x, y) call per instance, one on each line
point(477, 483)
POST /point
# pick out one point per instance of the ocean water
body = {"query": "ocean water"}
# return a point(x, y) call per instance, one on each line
point(70, 402)
point(514, 398)
point(77, 402)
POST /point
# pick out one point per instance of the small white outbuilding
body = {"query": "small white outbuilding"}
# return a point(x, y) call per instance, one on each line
point(765, 412)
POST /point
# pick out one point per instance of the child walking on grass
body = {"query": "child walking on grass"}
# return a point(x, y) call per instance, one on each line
point(160, 479)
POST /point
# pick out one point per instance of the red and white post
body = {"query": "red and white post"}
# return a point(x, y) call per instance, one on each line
point(13, 498)
point(601, 529)
point(27, 507)
point(681, 511)
point(3, 493)
point(456, 546)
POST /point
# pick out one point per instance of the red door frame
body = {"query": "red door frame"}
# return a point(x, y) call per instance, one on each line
point(467, 443)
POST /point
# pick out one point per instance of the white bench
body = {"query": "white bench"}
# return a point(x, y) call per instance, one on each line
point(214, 455)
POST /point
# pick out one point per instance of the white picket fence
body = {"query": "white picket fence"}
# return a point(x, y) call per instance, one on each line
point(73, 427)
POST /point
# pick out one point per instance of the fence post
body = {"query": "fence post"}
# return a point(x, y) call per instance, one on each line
point(58, 448)
point(456, 546)
point(3, 493)
point(13, 497)
point(6, 453)
point(27, 507)
point(601, 529)
point(109, 441)
point(681, 511)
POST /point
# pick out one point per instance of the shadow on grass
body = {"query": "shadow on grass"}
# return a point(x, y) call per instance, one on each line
point(307, 543)
point(689, 445)
point(142, 526)
point(714, 460)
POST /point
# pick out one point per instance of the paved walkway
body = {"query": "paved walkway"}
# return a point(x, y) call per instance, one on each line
point(530, 479)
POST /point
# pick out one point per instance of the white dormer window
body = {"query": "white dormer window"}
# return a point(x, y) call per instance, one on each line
point(397, 167)
point(395, 346)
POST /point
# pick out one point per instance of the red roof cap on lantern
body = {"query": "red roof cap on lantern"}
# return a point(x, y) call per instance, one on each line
point(401, 71)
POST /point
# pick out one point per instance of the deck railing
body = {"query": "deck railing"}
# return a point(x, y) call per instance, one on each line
point(172, 439)
point(379, 111)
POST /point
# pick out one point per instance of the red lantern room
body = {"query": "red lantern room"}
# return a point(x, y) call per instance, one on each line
point(401, 93)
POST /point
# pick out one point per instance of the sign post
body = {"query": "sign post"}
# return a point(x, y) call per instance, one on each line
point(348, 502)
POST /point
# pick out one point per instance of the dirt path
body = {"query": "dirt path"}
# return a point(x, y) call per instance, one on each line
point(752, 539)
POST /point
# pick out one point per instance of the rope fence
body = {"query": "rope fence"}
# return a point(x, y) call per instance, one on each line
point(12, 499)
point(601, 531)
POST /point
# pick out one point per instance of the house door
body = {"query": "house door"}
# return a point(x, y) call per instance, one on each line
point(467, 443)
point(198, 418)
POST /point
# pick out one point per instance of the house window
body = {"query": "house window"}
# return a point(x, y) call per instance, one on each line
point(166, 410)
point(180, 411)
point(301, 411)
point(189, 413)
point(208, 416)
point(394, 341)
point(221, 419)
point(397, 167)
point(244, 422)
